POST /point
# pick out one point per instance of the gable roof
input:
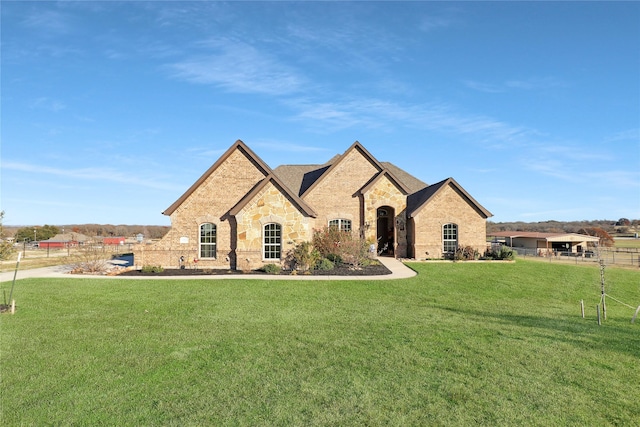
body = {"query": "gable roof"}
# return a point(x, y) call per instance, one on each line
point(390, 176)
point(355, 146)
point(410, 181)
point(299, 177)
point(416, 201)
point(293, 198)
point(238, 145)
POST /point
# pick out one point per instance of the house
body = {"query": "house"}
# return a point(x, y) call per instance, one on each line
point(547, 243)
point(111, 241)
point(64, 240)
point(242, 214)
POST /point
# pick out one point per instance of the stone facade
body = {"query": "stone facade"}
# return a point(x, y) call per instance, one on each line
point(269, 206)
point(240, 194)
point(385, 194)
point(448, 206)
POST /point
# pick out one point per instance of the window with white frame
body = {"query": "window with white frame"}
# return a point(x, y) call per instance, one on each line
point(272, 241)
point(449, 238)
point(208, 240)
point(341, 224)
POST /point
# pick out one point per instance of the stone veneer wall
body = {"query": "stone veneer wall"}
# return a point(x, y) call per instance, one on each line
point(269, 206)
point(448, 206)
point(333, 197)
point(385, 193)
point(220, 191)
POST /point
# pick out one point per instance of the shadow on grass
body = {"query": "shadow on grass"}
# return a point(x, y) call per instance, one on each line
point(583, 333)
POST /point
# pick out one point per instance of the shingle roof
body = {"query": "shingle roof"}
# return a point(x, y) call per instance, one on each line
point(300, 177)
point(410, 181)
point(416, 201)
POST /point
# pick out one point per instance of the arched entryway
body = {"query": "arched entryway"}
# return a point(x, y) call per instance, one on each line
point(385, 230)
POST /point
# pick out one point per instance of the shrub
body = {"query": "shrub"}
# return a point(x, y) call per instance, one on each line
point(504, 253)
point(152, 269)
point(346, 246)
point(465, 253)
point(334, 258)
point(325, 264)
point(271, 268)
point(90, 259)
point(328, 240)
point(303, 257)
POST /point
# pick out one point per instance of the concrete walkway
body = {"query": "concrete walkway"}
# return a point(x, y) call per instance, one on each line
point(397, 268)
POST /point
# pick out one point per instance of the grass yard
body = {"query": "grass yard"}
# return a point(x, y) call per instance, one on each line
point(627, 243)
point(460, 344)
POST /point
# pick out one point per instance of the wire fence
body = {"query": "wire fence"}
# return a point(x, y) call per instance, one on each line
point(629, 257)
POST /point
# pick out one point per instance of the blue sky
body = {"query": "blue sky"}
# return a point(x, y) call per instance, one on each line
point(111, 110)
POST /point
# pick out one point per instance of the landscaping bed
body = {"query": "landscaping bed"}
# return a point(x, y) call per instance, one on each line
point(345, 270)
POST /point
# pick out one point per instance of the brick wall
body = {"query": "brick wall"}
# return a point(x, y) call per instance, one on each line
point(223, 189)
point(447, 206)
point(333, 197)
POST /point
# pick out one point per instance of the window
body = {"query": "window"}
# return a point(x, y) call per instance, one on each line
point(208, 240)
point(450, 238)
point(341, 224)
point(272, 240)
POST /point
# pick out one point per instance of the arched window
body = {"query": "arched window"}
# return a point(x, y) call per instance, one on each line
point(272, 240)
point(341, 224)
point(208, 240)
point(449, 238)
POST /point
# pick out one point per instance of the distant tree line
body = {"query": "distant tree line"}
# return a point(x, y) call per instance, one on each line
point(623, 225)
point(46, 232)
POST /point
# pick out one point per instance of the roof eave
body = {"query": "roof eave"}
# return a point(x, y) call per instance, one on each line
point(266, 170)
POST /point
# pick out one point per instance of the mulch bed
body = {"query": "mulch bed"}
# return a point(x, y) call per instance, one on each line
point(371, 270)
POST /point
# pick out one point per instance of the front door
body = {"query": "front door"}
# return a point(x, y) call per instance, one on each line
point(385, 231)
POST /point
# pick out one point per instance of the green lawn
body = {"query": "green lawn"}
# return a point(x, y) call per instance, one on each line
point(627, 243)
point(460, 344)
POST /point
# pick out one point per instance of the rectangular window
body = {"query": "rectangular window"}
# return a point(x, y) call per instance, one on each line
point(208, 241)
point(272, 241)
point(341, 224)
point(450, 238)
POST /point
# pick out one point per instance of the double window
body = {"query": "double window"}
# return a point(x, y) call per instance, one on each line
point(272, 241)
point(208, 240)
point(341, 224)
point(449, 238)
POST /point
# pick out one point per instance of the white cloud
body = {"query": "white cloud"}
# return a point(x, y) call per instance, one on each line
point(287, 147)
point(92, 174)
point(239, 67)
point(483, 87)
point(616, 178)
point(629, 135)
point(49, 21)
point(379, 114)
point(534, 83)
point(47, 104)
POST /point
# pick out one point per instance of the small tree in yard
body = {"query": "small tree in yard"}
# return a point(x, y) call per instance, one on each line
point(90, 259)
point(605, 238)
point(6, 248)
